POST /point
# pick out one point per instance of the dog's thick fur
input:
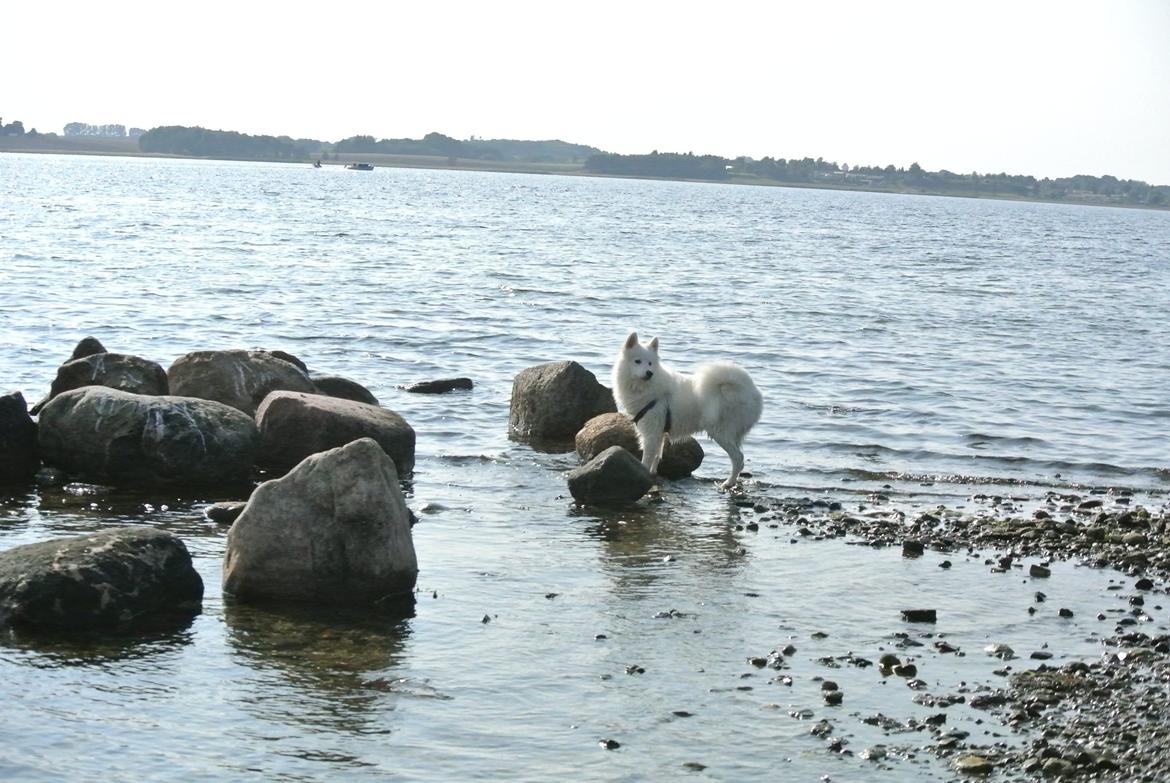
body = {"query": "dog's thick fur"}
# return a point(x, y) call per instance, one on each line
point(719, 399)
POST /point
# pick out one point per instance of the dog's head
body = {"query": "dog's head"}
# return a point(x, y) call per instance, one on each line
point(636, 363)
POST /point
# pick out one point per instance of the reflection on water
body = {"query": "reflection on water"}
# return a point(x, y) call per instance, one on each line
point(150, 637)
point(335, 659)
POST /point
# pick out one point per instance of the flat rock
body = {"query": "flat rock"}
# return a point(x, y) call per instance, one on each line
point(240, 379)
point(103, 580)
point(551, 402)
point(116, 436)
point(334, 530)
point(613, 477)
point(294, 425)
point(19, 458)
point(225, 512)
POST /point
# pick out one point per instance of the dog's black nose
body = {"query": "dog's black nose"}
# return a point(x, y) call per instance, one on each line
point(649, 374)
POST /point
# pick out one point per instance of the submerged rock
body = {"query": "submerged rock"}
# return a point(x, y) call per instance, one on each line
point(441, 386)
point(102, 580)
point(241, 379)
point(118, 436)
point(613, 477)
point(19, 458)
point(335, 530)
point(294, 425)
point(680, 458)
point(342, 388)
point(225, 512)
point(551, 402)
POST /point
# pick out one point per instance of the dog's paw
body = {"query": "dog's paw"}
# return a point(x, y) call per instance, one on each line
point(728, 486)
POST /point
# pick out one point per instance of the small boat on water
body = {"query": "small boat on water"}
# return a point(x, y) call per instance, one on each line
point(360, 166)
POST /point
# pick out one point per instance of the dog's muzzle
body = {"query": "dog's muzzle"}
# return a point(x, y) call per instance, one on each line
point(649, 374)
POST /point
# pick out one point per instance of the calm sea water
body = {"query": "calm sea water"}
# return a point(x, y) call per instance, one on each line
point(925, 347)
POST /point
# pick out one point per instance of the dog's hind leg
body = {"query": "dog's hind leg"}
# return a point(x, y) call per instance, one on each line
point(731, 446)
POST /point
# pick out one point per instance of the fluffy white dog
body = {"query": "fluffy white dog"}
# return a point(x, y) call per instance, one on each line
point(719, 399)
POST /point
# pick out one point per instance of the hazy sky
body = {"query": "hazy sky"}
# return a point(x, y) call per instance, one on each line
point(1044, 87)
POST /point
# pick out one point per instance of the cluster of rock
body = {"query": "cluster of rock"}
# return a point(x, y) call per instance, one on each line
point(335, 528)
point(561, 406)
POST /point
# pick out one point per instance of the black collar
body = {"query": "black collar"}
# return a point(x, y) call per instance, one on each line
point(646, 409)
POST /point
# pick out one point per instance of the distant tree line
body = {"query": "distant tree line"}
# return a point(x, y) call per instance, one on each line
point(14, 128)
point(669, 165)
point(203, 143)
point(439, 145)
point(1106, 189)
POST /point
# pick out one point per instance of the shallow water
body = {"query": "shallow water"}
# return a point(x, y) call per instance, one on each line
point(923, 347)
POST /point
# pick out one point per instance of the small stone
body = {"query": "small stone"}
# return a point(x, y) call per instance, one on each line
point(1066, 612)
point(1039, 571)
point(972, 764)
point(1001, 651)
point(833, 698)
point(609, 744)
point(912, 549)
point(920, 615)
point(906, 670)
point(486, 619)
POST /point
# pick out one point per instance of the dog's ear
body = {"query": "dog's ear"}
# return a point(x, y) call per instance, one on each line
point(653, 346)
point(632, 340)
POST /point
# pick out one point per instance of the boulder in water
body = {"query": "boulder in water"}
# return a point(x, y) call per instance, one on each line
point(116, 436)
point(103, 580)
point(334, 530)
point(241, 379)
point(294, 425)
point(19, 459)
point(551, 402)
point(613, 477)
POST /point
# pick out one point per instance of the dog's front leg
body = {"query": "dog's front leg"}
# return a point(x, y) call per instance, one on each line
point(653, 440)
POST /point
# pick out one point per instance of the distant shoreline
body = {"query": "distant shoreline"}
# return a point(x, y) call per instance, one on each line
point(129, 148)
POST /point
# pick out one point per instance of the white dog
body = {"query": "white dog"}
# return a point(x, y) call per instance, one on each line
point(719, 399)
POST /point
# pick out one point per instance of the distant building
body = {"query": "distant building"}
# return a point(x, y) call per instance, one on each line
point(102, 131)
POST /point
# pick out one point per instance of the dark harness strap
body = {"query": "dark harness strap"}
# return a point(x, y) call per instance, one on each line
point(646, 409)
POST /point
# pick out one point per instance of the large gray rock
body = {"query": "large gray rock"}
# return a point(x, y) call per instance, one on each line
point(102, 580)
point(117, 436)
point(681, 458)
point(241, 379)
point(343, 388)
point(551, 402)
point(18, 440)
point(613, 477)
point(114, 370)
point(294, 425)
point(334, 530)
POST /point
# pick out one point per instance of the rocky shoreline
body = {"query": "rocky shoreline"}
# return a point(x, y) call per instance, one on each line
point(1106, 719)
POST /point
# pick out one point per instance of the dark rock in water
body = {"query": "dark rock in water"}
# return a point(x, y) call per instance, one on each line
point(920, 615)
point(114, 370)
point(912, 549)
point(224, 513)
point(1065, 613)
point(335, 530)
point(103, 580)
point(1039, 571)
point(288, 357)
point(680, 458)
point(833, 698)
point(440, 386)
point(609, 744)
point(122, 437)
point(294, 425)
point(241, 379)
point(551, 402)
point(342, 388)
point(906, 670)
point(1143, 584)
point(613, 477)
point(87, 347)
point(19, 458)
